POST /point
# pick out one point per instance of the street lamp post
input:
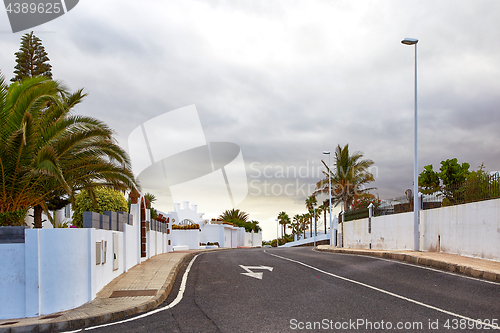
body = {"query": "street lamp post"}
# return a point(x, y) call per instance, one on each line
point(277, 233)
point(416, 204)
point(314, 215)
point(334, 233)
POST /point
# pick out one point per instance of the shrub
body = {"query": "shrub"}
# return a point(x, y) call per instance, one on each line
point(15, 218)
point(185, 227)
point(106, 199)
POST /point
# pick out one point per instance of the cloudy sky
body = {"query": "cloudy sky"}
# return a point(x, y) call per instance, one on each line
point(286, 80)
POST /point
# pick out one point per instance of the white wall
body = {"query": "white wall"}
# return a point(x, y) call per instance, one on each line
point(12, 281)
point(133, 237)
point(190, 238)
point(157, 243)
point(227, 236)
point(257, 239)
point(212, 233)
point(387, 232)
point(234, 237)
point(64, 268)
point(56, 269)
point(248, 239)
point(470, 229)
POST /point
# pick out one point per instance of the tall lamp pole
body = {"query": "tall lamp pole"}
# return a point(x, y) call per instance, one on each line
point(416, 203)
point(277, 233)
point(333, 242)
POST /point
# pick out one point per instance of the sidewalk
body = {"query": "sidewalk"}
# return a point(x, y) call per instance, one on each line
point(141, 288)
point(478, 268)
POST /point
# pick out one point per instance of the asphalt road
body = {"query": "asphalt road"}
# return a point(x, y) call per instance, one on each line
point(307, 291)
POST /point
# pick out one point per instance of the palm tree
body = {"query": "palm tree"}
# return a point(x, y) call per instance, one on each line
point(315, 214)
point(304, 218)
point(349, 177)
point(324, 207)
point(284, 219)
point(297, 222)
point(310, 204)
point(46, 153)
point(233, 214)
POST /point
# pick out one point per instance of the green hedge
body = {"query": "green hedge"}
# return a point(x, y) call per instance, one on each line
point(107, 199)
point(356, 215)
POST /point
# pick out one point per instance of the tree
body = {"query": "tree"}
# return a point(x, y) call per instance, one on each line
point(46, 153)
point(31, 59)
point(480, 185)
point(349, 177)
point(315, 214)
point(233, 215)
point(304, 218)
point(452, 173)
point(240, 218)
point(254, 226)
point(310, 204)
point(447, 180)
point(297, 223)
point(325, 207)
point(428, 180)
point(151, 198)
point(283, 219)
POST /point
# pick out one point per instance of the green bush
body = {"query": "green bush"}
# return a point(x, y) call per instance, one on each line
point(106, 199)
point(15, 218)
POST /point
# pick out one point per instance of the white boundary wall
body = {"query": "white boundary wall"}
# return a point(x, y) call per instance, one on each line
point(56, 269)
point(471, 229)
point(226, 235)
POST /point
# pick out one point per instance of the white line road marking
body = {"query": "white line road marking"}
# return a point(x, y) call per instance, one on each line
point(387, 292)
point(257, 275)
point(176, 301)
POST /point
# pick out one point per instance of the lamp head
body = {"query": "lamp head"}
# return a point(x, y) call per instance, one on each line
point(409, 41)
point(326, 152)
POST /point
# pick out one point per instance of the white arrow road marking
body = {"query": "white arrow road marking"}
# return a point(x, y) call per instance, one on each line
point(257, 275)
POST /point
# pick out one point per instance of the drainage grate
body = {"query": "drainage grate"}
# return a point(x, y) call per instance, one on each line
point(133, 293)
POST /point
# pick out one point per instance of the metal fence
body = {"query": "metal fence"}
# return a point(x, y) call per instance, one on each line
point(480, 186)
point(404, 204)
point(477, 188)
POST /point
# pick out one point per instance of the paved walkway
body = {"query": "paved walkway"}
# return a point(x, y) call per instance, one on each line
point(156, 277)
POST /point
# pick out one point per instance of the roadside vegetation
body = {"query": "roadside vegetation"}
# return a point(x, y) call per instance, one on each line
point(48, 154)
point(350, 174)
point(240, 219)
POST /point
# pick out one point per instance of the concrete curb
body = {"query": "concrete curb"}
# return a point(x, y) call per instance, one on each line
point(451, 267)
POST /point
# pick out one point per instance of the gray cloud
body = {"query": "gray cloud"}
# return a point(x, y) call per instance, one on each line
point(286, 81)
